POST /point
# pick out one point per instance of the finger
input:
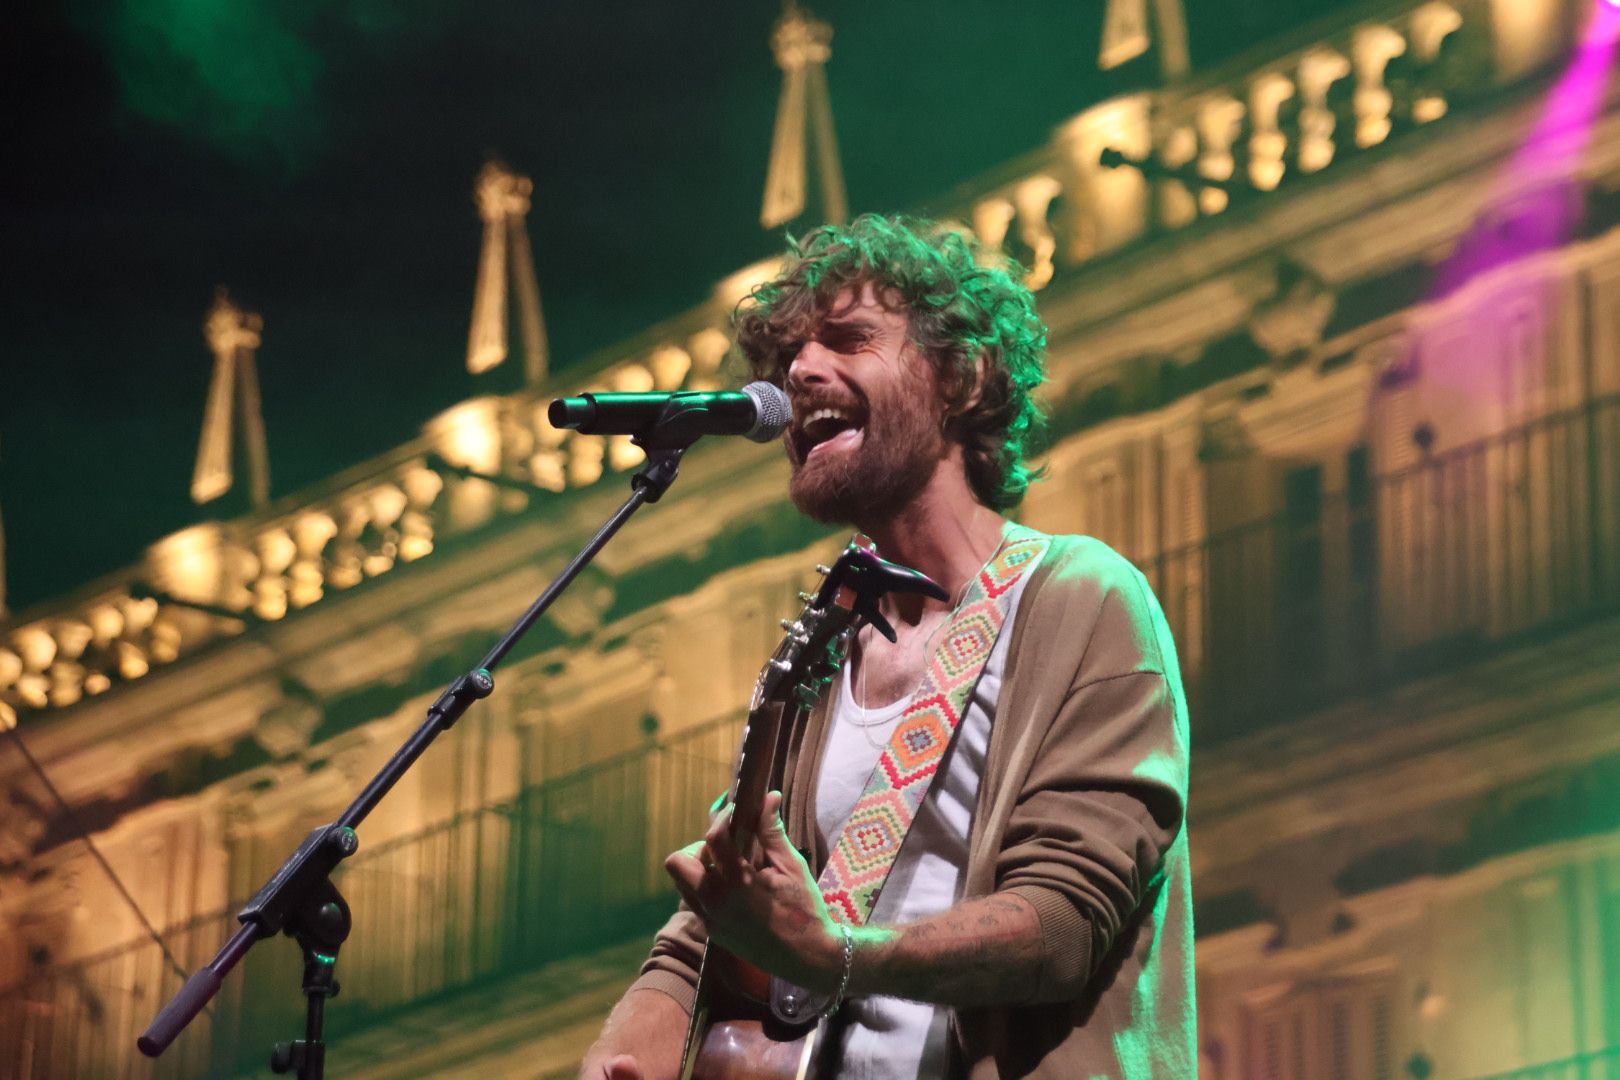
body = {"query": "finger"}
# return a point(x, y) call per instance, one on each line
point(623, 1067)
point(687, 872)
point(688, 893)
point(695, 852)
point(727, 857)
point(720, 824)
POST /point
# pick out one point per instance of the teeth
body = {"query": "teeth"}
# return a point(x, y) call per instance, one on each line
point(813, 432)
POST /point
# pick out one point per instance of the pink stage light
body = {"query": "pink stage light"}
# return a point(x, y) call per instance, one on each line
point(1535, 204)
point(1556, 143)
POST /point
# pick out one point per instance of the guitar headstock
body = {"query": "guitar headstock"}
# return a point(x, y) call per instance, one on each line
point(817, 641)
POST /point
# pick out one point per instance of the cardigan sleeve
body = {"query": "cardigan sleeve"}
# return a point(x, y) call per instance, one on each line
point(677, 953)
point(1106, 794)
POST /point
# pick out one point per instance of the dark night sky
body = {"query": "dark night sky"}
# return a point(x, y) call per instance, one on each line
point(317, 156)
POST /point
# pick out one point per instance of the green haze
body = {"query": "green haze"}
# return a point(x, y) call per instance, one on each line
point(241, 75)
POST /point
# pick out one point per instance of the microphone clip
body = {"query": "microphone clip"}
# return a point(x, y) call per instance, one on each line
point(679, 425)
point(659, 470)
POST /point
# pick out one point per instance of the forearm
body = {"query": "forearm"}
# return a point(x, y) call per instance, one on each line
point(648, 1025)
point(981, 952)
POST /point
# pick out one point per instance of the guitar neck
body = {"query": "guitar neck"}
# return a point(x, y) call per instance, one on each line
point(761, 767)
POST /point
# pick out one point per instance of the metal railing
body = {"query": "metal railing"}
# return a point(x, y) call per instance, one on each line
point(1598, 1065)
point(568, 866)
point(1490, 543)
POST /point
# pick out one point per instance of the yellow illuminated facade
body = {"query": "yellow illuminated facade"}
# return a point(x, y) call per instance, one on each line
point(1384, 522)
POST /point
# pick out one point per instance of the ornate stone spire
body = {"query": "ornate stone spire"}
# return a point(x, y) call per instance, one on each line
point(1129, 29)
point(802, 44)
point(503, 202)
point(233, 335)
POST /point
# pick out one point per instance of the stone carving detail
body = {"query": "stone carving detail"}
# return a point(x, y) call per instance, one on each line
point(284, 729)
point(579, 610)
point(1224, 438)
point(21, 826)
point(1292, 322)
point(1302, 893)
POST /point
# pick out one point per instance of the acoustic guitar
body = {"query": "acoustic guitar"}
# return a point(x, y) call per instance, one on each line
point(746, 1023)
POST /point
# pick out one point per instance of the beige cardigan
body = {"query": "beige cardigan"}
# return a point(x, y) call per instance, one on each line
point(1081, 811)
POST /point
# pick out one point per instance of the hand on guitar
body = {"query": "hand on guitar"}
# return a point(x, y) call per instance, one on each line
point(771, 915)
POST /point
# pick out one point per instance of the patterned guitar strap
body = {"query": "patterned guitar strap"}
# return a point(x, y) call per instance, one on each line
point(871, 841)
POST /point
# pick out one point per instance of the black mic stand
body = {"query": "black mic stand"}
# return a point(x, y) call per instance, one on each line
point(300, 898)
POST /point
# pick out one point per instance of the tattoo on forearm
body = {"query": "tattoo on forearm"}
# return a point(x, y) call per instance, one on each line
point(986, 951)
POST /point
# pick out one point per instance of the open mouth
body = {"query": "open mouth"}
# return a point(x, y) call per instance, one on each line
point(827, 428)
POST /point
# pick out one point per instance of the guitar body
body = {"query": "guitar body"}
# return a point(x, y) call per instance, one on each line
point(744, 1023)
point(735, 1034)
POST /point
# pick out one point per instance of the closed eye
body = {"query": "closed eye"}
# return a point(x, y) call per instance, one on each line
point(845, 339)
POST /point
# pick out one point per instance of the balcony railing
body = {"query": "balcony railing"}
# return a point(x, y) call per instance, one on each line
point(1231, 136)
point(1598, 1065)
point(1491, 543)
point(568, 866)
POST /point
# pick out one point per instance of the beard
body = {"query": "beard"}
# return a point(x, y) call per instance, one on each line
point(900, 447)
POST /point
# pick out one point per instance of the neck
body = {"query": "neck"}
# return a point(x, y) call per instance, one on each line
point(943, 532)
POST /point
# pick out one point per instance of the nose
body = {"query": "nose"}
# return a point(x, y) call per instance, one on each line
point(811, 367)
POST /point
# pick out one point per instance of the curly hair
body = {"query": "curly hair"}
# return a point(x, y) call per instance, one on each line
point(965, 316)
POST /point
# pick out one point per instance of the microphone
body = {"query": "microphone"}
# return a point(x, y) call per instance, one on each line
point(759, 411)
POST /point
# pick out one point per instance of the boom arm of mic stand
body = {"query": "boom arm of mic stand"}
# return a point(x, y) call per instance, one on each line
point(325, 847)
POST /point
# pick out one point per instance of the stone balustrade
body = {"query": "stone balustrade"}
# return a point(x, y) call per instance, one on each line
point(1181, 154)
point(1160, 161)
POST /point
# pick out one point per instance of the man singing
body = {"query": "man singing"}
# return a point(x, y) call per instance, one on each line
point(1036, 921)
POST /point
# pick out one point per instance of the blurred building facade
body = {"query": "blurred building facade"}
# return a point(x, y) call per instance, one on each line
point(1334, 360)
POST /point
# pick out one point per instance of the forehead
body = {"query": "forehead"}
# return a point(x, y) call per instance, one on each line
point(866, 303)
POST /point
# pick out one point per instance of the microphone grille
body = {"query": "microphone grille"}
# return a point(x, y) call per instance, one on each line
point(775, 413)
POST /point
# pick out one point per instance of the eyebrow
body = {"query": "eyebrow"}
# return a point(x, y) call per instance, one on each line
point(847, 322)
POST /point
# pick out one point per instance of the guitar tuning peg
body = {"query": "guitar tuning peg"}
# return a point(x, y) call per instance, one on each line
point(786, 624)
point(823, 569)
point(805, 598)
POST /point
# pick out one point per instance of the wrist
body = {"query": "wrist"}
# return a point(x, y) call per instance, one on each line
point(846, 964)
point(823, 959)
point(867, 957)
